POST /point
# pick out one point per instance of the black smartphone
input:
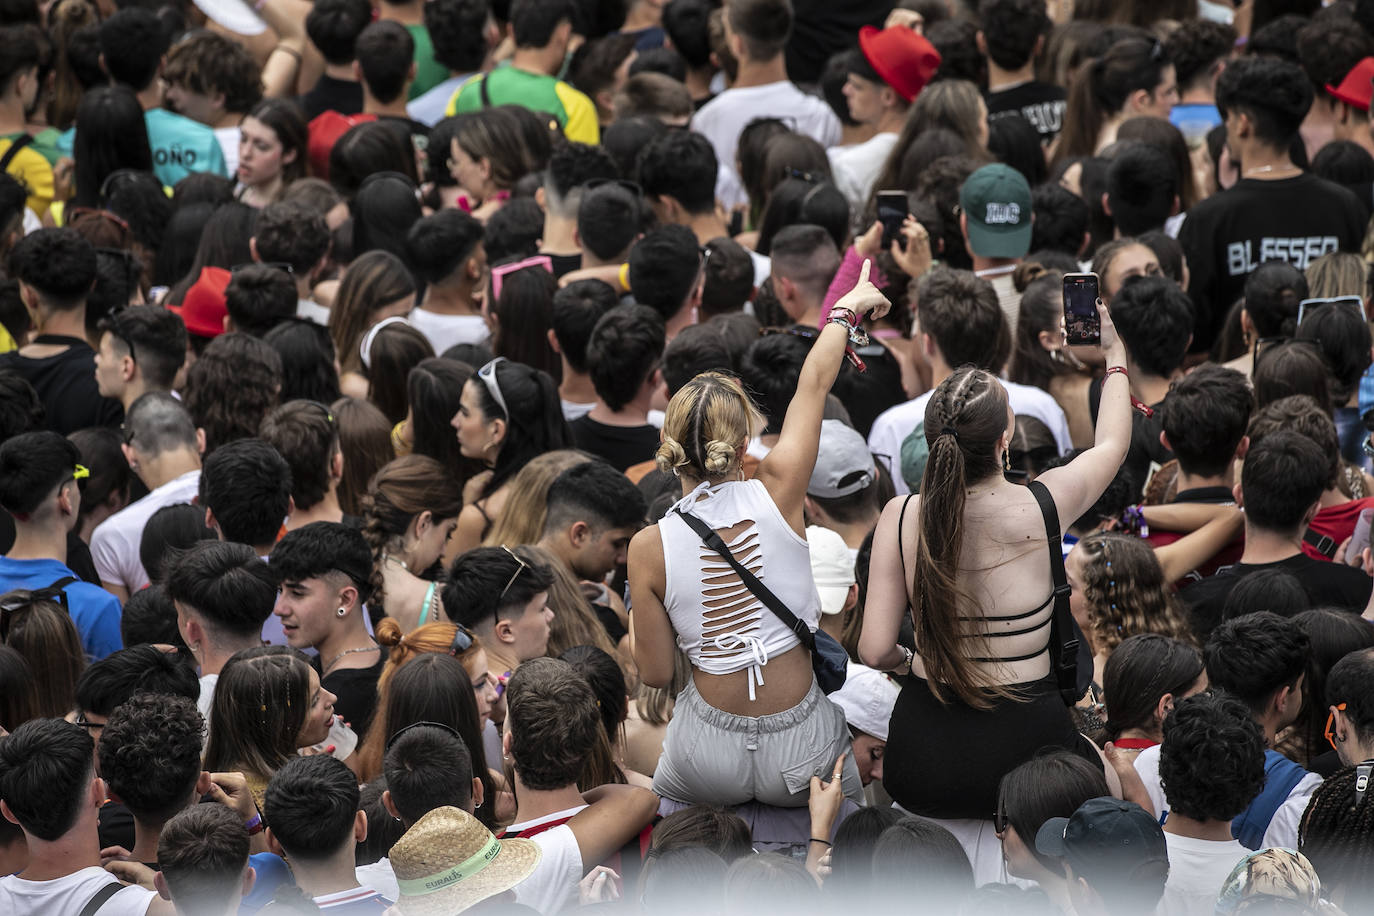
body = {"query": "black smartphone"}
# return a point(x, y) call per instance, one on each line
point(892, 211)
point(1082, 326)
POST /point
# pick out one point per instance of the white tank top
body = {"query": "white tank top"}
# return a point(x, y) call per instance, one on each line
point(719, 623)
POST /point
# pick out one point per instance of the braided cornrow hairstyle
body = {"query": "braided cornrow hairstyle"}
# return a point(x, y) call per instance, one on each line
point(964, 420)
point(1337, 835)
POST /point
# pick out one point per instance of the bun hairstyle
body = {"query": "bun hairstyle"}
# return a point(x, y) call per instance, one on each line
point(703, 428)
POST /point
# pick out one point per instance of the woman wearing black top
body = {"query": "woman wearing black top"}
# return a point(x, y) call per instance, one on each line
point(970, 559)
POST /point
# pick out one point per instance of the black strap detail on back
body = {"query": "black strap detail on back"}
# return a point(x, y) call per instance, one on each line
point(95, 903)
point(901, 523)
point(483, 91)
point(1063, 642)
point(16, 145)
point(713, 540)
point(1321, 543)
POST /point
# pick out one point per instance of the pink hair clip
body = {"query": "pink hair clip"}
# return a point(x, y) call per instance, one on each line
point(499, 273)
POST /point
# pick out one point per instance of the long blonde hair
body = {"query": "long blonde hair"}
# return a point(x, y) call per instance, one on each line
point(521, 520)
point(705, 424)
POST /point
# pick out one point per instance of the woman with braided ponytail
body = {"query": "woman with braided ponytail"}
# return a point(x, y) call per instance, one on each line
point(410, 510)
point(972, 559)
point(738, 735)
point(1337, 830)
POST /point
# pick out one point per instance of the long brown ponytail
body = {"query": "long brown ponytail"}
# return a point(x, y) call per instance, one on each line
point(964, 419)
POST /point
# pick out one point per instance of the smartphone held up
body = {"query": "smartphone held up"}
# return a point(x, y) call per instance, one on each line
point(1082, 324)
point(892, 211)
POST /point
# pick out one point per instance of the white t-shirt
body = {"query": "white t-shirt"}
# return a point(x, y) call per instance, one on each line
point(1283, 828)
point(573, 410)
point(207, 695)
point(445, 331)
point(114, 543)
point(856, 167)
point(896, 423)
point(1197, 871)
point(68, 894)
point(554, 880)
point(721, 120)
point(350, 899)
point(228, 138)
point(312, 311)
point(380, 875)
point(428, 108)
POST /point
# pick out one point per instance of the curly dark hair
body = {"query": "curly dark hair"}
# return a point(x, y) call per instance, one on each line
point(1212, 763)
point(1196, 47)
point(231, 387)
point(150, 754)
point(1254, 655)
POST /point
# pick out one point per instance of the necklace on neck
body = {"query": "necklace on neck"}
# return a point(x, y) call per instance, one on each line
point(1270, 168)
point(329, 664)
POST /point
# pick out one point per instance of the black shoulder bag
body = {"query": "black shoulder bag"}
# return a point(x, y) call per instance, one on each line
point(828, 659)
point(1063, 635)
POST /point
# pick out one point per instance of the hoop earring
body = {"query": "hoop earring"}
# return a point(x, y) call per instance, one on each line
point(341, 611)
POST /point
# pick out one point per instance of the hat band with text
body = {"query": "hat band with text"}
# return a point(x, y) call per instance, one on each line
point(418, 887)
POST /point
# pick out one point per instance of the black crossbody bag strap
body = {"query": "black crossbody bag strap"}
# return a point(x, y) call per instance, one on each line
point(105, 893)
point(483, 90)
point(711, 539)
point(1063, 643)
point(16, 145)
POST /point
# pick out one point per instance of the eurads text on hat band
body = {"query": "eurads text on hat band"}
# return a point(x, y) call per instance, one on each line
point(418, 887)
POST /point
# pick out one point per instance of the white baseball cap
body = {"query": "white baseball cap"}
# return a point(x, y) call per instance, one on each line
point(866, 699)
point(832, 566)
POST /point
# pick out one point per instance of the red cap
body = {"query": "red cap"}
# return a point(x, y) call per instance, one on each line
point(203, 309)
point(1357, 87)
point(905, 60)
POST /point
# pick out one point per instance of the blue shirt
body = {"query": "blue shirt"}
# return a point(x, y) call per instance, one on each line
point(1194, 120)
point(272, 873)
point(94, 610)
point(180, 146)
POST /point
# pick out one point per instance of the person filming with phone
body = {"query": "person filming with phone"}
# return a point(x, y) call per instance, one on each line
point(753, 723)
point(976, 562)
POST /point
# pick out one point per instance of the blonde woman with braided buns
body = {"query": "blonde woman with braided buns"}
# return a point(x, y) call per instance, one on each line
point(752, 724)
point(971, 559)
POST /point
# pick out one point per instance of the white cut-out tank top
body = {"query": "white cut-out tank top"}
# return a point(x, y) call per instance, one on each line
point(720, 624)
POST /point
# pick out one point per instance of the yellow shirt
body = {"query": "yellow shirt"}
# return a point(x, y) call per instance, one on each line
point(32, 170)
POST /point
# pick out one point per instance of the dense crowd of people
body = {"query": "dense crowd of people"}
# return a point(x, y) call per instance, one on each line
point(538, 455)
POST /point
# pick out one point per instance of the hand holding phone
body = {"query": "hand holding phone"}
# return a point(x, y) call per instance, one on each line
point(1082, 323)
point(892, 207)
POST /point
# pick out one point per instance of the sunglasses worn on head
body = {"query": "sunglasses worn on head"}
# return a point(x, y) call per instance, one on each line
point(487, 375)
point(1331, 726)
point(515, 575)
point(462, 640)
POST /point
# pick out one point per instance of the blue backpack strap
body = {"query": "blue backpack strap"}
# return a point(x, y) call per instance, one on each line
point(1281, 777)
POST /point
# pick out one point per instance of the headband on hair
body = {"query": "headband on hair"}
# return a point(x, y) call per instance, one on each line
point(365, 350)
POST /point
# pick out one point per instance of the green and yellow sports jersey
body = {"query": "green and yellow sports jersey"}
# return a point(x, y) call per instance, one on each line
point(535, 91)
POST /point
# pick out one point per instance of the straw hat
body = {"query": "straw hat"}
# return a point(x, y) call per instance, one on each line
point(448, 862)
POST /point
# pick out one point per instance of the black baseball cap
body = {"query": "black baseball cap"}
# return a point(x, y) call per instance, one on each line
point(1107, 838)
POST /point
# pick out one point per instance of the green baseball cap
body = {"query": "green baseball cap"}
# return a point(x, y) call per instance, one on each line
point(997, 201)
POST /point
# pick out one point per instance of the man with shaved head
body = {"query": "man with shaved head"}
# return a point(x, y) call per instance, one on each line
point(163, 448)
